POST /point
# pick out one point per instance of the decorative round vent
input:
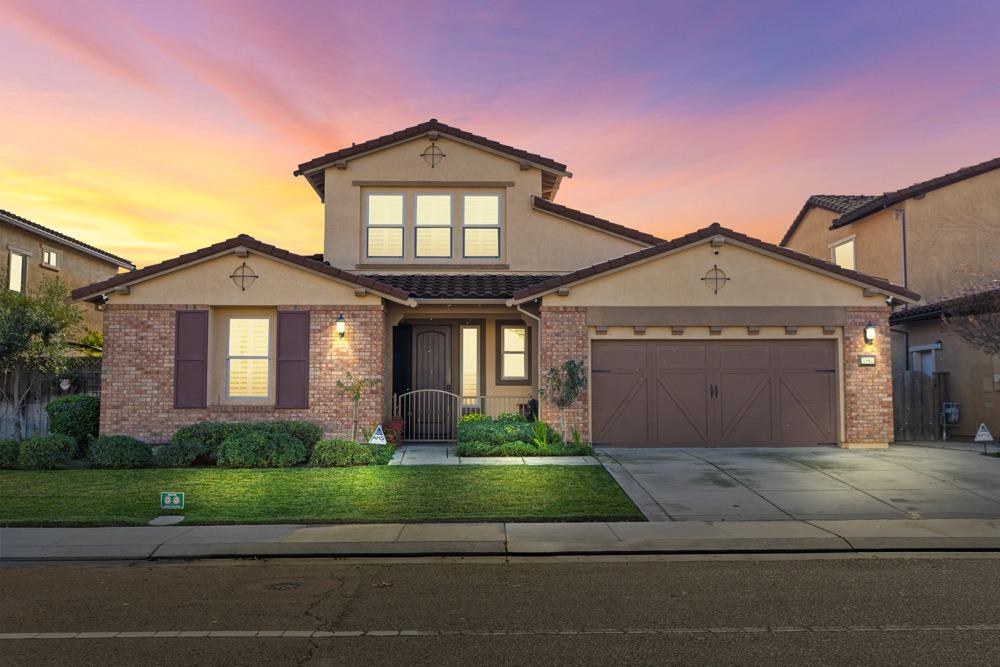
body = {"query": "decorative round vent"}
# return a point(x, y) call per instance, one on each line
point(243, 276)
point(433, 155)
point(715, 279)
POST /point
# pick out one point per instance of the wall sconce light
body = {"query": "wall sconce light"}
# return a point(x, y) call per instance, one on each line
point(341, 325)
point(870, 333)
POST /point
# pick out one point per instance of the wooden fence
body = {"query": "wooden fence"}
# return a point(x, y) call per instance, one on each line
point(917, 400)
point(83, 376)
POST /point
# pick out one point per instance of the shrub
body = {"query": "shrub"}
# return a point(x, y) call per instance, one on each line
point(45, 451)
point(195, 443)
point(119, 451)
point(336, 453)
point(76, 416)
point(249, 446)
point(8, 453)
point(473, 448)
point(307, 433)
point(394, 431)
point(474, 417)
point(515, 449)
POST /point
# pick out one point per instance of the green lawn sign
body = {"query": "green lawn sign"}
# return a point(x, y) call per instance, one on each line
point(171, 500)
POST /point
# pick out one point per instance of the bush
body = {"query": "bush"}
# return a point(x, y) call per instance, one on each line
point(196, 443)
point(474, 417)
point(8, 453)
point(305, 432)
point(337, 453)
point(45, 451)
point(249, 446)
point(77, 416)
point(119, 451)
point(394, 431)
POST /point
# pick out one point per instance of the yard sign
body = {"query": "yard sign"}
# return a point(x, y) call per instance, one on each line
point(378, 437)
point(171, 500)
point(984, 435)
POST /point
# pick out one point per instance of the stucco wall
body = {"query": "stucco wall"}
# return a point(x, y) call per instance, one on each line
point(531, 241)
point(76, 269)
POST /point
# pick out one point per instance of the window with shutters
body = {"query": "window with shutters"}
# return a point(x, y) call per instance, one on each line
point(248, 357)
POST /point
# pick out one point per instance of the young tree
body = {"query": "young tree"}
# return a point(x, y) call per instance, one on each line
point(563, 386)
point(354, 388)
point(975, 316)
point(36, 327)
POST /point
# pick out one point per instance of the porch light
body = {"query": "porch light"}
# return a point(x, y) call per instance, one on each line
point(342, 325)
point(870, 333)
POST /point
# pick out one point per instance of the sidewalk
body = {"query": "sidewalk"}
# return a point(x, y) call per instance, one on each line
point(436, 455)
point(496, 539)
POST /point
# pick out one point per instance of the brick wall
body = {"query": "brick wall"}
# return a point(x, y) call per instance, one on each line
point(137, 378)
point(867, 389)
point(563, 337)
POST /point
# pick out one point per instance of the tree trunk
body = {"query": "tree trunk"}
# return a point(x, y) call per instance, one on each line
point(354, 424)
point(562, 423)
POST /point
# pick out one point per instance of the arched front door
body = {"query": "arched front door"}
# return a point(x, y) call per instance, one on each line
point(432, 370)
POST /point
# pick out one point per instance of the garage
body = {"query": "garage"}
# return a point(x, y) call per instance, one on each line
point(652, 393)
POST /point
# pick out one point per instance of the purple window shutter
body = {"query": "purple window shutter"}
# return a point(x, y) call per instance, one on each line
point(293, 359)
point(191, 359)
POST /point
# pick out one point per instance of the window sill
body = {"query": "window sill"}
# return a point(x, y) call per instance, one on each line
point(49, 267)
point(423, 264)
point(269, 407)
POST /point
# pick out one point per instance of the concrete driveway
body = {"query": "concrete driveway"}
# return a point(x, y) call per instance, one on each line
point(807, 483)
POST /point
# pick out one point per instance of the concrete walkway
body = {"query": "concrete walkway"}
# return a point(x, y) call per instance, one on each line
point(436, 455)
point(495, 539)
point(815, 483)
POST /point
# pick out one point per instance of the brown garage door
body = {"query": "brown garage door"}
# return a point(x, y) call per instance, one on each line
point(714, 393)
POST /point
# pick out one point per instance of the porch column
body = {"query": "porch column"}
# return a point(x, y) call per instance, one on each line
point(867, 389)
point(563, 336)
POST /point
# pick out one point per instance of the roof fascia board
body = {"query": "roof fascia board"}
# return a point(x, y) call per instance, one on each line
point(641, 244)
point(66, 242)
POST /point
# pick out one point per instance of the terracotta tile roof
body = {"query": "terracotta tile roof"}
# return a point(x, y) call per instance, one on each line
point(432, 125)
point(984, 299)
point(24, 223)
point(700, 235)
point(890, 198)
point(593, 221)
point(96, 289)
point(836, 203)
point(460, 286)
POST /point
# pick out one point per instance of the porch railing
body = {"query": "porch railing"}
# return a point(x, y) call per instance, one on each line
point(432, 415)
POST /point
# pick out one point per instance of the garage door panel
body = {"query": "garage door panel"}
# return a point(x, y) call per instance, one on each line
point(681, 412)
point(805, 356)
point(680, 357)
point(746, 408)
point(622, 411)
point(739, 356)
point(807, 412)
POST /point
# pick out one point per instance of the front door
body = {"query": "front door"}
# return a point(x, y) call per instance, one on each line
point(433, 412)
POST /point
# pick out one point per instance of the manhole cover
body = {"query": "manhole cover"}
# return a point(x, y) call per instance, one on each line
point(284, 586)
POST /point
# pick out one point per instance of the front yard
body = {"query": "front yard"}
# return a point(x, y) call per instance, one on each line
point(315, 495)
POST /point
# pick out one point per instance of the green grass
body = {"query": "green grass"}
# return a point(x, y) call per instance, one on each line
point(315, 495)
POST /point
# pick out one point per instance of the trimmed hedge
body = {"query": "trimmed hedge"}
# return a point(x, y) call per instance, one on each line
point(250, 447)
point(119, 451)
point(75, 415)
point(199, 443)
point(45, 451)
point(8, 453)
point(337, 453)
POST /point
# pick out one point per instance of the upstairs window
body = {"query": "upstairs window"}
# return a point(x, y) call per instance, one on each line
point(481, 226)
point(50, 258)
point(433, 226)
point(842, 254)
point(17, 266)
point(385, 225)
point(248, 358)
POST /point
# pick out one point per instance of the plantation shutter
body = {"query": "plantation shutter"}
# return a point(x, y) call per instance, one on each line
point(293, 360)
point(191, 359)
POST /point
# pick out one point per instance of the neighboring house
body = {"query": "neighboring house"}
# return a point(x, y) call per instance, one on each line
point(34, 252)
point(938, 238)
point(451, 275)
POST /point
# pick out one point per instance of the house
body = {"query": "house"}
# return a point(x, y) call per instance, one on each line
point(35, 252)
point(450, 274)
point(940, 238)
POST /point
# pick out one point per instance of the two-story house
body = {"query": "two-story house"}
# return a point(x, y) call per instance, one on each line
point(940, 238)
point(35, 252)
point(450, 275)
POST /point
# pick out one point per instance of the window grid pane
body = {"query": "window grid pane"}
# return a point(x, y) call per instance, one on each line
point(843, 255)
point(434, 242)
point(248, 378)
point(513, 339)
point(385, 210)
point(385, 242)
point(433, 210)
point(481, 242)
point(514, 365)
point(482, 211)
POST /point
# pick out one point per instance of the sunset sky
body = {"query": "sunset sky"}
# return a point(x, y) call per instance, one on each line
point(154, 128)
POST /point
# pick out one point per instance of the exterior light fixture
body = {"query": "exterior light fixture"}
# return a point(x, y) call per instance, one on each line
point(870, 333)
point(341, 325)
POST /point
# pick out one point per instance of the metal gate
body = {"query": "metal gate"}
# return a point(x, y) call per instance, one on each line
point(431, 415)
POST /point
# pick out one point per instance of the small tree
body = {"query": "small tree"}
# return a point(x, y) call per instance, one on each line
point(36, 327)
point(563, 386)
point(353, 389)
point(975, 316)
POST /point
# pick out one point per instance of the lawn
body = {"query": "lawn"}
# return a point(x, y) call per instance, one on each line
point(315, 495)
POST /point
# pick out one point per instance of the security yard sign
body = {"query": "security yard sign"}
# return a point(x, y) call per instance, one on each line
point(171, 500)
point(378, 437)
point(983, 434)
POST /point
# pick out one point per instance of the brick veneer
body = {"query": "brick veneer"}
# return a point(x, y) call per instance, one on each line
point(137, 377)
point(867, 389)
point(563, 337)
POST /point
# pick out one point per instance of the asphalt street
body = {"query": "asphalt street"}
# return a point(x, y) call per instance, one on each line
point(653, 610)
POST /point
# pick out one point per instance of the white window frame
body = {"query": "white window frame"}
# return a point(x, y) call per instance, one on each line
point(498, 228)
point(269, 357)
point(450, 227)
point(854, 251)
point(50, 254)
point(402, 226)
point(11, 251)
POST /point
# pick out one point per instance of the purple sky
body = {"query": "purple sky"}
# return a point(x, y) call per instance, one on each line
point(154, 128)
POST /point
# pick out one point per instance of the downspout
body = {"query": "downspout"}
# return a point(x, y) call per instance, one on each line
point(902, 223)
point(538, 328)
